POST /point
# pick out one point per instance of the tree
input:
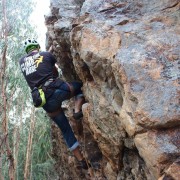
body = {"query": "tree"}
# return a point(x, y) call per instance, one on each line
point(9, 29)
point(29, 145)
point(4, 95)
point(15, 102)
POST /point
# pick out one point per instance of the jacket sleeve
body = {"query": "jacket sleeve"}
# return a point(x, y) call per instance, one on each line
point(51, 58)
point(55, 72)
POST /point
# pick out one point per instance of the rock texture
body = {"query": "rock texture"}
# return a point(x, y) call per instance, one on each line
point(127, 55)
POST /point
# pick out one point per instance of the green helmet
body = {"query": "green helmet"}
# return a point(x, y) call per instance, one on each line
point(31, 44)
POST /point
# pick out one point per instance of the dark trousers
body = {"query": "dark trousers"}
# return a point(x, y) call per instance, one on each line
point(53, 103)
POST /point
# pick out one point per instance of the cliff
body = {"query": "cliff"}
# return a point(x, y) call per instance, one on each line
point(127, 55)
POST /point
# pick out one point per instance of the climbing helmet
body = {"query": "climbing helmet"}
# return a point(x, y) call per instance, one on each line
point(31, 44)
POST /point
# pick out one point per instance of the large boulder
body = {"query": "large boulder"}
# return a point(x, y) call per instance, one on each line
point(127, 55)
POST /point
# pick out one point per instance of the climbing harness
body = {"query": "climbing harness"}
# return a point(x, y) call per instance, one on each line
point(43, 92)
point(38, 94)
point(38, 97)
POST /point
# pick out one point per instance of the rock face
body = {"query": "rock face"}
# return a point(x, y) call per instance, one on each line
point(127, 55)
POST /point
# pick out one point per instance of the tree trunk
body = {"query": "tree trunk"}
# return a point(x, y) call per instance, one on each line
point(17, 138)
point(4, 96)
point(29, 145)
point(1, 175)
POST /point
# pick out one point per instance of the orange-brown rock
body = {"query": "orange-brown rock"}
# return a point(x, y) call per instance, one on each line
point(127, 55)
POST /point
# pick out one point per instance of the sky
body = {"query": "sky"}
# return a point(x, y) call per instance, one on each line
point(37, 18)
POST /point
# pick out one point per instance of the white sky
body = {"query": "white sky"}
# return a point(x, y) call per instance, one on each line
point(37, 18)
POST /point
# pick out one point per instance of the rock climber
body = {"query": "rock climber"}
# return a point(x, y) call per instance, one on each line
point(49, 91)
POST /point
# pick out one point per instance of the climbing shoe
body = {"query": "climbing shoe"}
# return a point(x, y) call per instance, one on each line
point(95, 165)
point(77, 116)
point(83, 164)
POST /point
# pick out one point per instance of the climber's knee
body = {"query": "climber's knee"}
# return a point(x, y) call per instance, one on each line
point(55, 113)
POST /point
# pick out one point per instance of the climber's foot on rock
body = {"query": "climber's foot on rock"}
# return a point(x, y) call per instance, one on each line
point(95, 165)
point(78, 115)
point(83, 164)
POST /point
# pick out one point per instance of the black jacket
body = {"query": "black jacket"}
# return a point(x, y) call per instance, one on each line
point(37, 68)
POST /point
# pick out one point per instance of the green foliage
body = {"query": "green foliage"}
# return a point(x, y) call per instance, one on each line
point(19, 100)
point(42, 162)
